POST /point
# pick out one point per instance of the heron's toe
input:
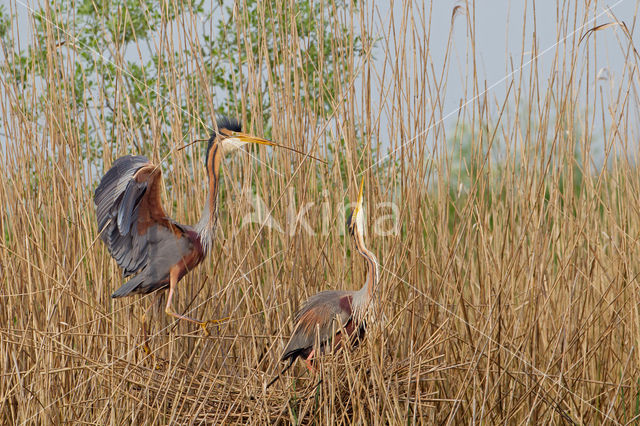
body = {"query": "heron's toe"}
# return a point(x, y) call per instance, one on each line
point(204, 324)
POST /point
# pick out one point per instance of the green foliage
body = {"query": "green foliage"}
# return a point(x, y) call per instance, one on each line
point(121, 78)
point(311, 26)
point(5, 22)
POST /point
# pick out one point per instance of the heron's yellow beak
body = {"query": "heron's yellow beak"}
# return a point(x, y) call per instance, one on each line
point(244, 137)
point(254, 139)
point(360, 195)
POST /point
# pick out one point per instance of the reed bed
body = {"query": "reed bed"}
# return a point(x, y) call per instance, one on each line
point(509, 272)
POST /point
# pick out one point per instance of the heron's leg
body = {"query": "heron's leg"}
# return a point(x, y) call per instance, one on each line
point(145, 334)
point(173, 281)
point(308, 361)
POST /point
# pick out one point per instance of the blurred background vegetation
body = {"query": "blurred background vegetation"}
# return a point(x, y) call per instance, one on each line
point(122, 69)
point(510, 291)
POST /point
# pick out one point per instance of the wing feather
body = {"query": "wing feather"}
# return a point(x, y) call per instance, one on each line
point(127, 211)
point(320, 313)
point(128, 202)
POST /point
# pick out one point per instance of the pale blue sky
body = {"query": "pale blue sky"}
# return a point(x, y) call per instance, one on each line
point(499, 35)
point(500, 27)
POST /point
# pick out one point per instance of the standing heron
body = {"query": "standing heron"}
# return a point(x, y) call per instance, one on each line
point(147, 244)
point(326, 316)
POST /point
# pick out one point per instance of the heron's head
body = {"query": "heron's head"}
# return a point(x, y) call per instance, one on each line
point(356, 218)
point(229, 137)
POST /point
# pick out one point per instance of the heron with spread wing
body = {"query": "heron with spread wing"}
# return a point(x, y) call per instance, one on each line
point(334, 317)
point(153, 249)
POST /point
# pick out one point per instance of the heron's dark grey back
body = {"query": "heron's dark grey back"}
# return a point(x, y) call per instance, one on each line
point(164, 249)
point(319, 315)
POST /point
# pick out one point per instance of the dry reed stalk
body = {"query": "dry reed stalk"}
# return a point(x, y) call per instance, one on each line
point(511, 290)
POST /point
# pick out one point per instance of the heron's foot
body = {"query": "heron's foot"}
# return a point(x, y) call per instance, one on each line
point(147, 349)
point(217, 322)
point(151, 356)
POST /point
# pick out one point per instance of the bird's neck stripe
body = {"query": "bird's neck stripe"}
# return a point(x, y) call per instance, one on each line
point(372, 266)
point(213, 168)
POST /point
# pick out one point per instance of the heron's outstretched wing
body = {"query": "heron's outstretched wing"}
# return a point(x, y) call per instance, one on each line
point(319, 315)
point(128, 203)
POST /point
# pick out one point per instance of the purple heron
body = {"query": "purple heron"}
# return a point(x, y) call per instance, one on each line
point(327, 316)
point(153, 249)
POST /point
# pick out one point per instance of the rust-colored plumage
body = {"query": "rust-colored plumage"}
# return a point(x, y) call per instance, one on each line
point(330, 317)
point(147, 244)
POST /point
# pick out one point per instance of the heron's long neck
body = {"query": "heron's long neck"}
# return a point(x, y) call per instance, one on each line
point(207, 224)
point(366, 292)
